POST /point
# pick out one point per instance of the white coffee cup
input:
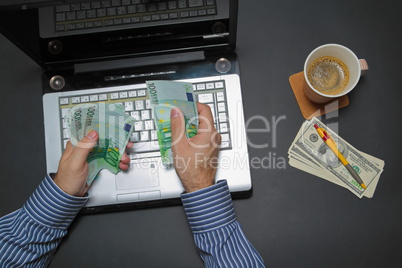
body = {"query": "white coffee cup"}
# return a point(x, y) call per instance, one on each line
point(356, 68)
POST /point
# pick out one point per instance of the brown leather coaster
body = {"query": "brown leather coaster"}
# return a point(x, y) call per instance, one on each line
point(310, 109)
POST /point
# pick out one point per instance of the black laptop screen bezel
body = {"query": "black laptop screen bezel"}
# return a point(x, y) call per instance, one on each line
point(21, 26)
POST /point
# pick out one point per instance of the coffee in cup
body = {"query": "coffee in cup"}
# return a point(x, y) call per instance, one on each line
point(328, 75)
point(331, 71)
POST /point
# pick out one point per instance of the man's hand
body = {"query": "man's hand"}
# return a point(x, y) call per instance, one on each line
point(195, 159)
point(73, 167)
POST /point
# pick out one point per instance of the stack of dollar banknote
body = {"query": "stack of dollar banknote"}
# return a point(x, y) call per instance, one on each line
point(311, 154)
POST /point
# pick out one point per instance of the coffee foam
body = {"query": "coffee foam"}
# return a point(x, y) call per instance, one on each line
point(328, 75)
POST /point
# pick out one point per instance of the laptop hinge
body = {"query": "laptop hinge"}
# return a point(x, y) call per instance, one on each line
point(138, 62)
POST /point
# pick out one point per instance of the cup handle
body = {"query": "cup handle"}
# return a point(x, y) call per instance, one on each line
point(363, 66)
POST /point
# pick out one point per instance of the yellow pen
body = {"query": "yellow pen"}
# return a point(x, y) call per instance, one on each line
point(331, 144)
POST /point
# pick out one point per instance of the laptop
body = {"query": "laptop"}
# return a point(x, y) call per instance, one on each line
point(104, 51)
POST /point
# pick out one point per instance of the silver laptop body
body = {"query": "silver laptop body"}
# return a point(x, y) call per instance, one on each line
point(147, 179)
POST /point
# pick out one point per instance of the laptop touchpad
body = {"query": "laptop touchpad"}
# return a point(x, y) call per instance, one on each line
point(140, 175)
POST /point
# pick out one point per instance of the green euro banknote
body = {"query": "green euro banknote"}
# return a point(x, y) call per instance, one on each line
point(114, 127)
point(164, 96)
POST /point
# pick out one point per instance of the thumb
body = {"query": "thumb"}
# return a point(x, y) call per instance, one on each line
point(177, 127)
point(84, 146)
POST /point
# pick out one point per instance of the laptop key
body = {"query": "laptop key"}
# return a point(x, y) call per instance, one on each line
point(121, 10)
point(142, 93)
point(129, 106)
point(111, 11)
point(220, 96)
point(81, 15)
point(135, 136)
point(139, 105)
point(140, 147)
point(223, 127)
point(132, 9)
point(149, 125)
point(116, 3)
point(136, 115)
point(101, 12)
point(141, 8)
point(211, 11)
point(205, 98)
point(60, 28)
point(89, 24)
point(95, 5)
point(60, 17)
point(139, 126)
point(75, 7)
point(182, 3)
point(102, 97)
point(145, 115)
point(86, 6)
point(63, 8)
point(91, 14)
point(70, 15)
point(195, 3)
point(172, 5)
point(144, 135)
point(154, 136)
point(106, 4)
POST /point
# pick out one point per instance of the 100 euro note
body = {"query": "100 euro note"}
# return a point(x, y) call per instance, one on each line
point(114, 127)
point(164, 96)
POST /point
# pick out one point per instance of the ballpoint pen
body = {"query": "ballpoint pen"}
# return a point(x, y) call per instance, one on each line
point(332, 145)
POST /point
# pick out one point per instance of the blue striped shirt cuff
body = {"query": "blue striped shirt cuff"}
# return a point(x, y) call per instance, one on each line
point(210, 208)
point(52, 207)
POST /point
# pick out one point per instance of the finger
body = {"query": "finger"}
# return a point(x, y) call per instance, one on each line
point(205, 116)
point(84, 146)
point(125, 159)
point(68, 150)
point(177, 128)
point(129, 145)
point(123, 166)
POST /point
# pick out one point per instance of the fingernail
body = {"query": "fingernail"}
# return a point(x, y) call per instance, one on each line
point(174, 113)
point(91, 135)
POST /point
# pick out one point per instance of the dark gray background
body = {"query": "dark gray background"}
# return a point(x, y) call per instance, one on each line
point(293, 219)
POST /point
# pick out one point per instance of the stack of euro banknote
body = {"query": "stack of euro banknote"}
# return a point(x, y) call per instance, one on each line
point(311, 154)
point(115, 127)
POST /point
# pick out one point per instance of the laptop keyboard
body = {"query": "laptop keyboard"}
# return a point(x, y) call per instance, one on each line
point(137, 105)
point(115, 13)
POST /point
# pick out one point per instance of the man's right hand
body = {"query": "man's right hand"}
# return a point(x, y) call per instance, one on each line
point(195, 159)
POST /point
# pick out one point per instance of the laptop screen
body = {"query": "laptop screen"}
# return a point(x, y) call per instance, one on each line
point(88, 31)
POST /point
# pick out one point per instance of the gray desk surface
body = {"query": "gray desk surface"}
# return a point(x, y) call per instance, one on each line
point(293, 219)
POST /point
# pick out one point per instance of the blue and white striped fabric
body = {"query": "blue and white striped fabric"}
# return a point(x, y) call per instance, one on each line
point(217, 233)
point(30, 235)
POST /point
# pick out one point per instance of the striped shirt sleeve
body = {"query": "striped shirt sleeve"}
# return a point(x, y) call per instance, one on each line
point(217, 234)
point(29, 236)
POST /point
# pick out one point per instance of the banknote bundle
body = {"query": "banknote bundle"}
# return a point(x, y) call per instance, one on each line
point(309, 153)
point(164, 96)
point(114, 127)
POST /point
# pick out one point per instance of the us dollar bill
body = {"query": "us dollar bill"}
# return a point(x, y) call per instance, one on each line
point(308, 152)
point(164, 96)
point(114, 127)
